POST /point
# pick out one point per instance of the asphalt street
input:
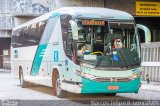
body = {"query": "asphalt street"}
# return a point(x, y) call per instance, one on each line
point(10, 92)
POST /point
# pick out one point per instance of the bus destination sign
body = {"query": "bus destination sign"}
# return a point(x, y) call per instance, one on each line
point(93, 22)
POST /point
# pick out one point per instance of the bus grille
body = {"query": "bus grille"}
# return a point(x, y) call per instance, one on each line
point(112, 79)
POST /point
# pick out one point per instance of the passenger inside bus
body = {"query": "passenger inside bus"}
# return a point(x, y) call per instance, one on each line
point(93, 36)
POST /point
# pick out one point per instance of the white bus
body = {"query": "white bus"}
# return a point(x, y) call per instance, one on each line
point(79, 50)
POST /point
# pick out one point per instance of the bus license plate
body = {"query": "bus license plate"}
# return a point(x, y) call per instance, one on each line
point(113, 87)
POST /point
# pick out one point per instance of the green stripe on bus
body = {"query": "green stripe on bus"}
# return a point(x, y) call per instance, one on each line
point(38, 59)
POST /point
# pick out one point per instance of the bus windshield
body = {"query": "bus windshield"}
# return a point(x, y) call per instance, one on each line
point(108, 44)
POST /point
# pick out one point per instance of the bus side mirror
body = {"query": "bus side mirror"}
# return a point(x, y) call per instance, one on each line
point(147, 33)
point(74, 28)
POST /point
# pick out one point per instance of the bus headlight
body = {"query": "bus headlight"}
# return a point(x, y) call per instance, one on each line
point(135, 75)
point(86, 75)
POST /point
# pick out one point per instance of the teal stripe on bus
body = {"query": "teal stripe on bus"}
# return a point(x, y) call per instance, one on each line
point(43, 45)
point(38, 59)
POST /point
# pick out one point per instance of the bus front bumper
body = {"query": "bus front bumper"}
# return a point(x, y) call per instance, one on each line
point(91, 86)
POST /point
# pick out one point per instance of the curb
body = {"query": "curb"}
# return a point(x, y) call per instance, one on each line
point(150, 87)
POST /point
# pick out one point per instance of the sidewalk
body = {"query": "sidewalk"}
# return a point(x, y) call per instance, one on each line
point(152, 86)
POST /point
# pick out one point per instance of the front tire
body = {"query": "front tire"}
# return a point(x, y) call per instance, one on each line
point(57, 86)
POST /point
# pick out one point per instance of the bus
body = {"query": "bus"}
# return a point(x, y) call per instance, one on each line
point(79, 50)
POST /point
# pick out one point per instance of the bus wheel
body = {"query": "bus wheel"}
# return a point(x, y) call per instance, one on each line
point(57, 86)
point(110, 94)
point(23, 83)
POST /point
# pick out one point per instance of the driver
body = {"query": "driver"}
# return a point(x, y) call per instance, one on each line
point(83, 50)
point(117, 43)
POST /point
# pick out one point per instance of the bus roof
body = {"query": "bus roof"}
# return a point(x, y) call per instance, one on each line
point(96, 11)
point(91, 12)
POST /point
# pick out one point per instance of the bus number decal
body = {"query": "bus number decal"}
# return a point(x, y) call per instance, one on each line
point(55, 56)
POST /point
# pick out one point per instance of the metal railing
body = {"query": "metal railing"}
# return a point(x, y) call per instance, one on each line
point(150, 54)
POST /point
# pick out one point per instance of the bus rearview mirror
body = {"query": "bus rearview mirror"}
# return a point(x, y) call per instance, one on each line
point(74, 28)
point(147, 33)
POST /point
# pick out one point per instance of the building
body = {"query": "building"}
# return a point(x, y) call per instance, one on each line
point(13, 13)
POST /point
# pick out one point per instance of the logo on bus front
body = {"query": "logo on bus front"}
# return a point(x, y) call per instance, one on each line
point(115, 56)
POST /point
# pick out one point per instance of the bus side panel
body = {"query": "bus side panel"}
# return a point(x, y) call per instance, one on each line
point(58, 59)
point(22, 56)
point(41, 51)
point(51, 54)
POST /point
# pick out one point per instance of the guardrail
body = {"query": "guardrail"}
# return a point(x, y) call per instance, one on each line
point(150, 54)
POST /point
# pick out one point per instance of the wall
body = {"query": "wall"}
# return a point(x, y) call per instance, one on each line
point(5, 33)
point(25, 6)
point(24, 10)
point(20, 20)
point(16, 12)
point(79, 3)
point(6, 22)
point(124, 5)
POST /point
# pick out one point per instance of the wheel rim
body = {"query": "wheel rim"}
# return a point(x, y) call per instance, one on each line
point(58, 85)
